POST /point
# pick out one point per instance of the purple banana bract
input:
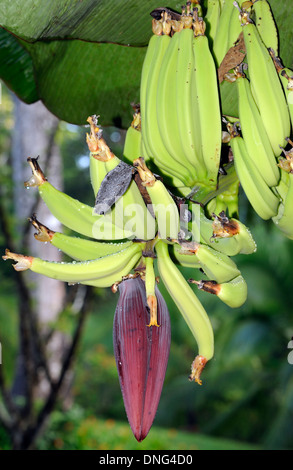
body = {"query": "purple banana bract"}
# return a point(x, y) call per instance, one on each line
point(141, 354)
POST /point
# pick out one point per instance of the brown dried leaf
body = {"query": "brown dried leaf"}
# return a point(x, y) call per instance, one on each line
point(233, 58)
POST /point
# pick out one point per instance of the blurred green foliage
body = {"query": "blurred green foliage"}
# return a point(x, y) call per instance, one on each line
point(246, 400)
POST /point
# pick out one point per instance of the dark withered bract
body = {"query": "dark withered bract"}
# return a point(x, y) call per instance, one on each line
point(113, 186)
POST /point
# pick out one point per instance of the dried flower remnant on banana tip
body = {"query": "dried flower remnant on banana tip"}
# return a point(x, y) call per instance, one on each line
point(197, 367)
point(96, 143)
point(22, 262)
point(286, 163)
point(43, 234)
point(136, 121)
point(223, 227)
point(37, 177)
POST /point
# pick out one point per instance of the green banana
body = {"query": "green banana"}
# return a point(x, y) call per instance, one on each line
point(164, 171)
point(265, 85)
point(223, 202)
point(134, 214)
point(102, 160)
point(149, 59)
point(72, 213)
point(208, 101)
point(77, 248)
point(146, 68)
point(286, 165)
point(262, 199)
point(82, 271)
point(286, 77)
point(132, 144)
point(214, 264)
point(143, 151)
point(265, 24)
point(234, 28)
point(211, 19)
point(184, 258)
point(232, 293)
point(164, 206)
point(228, 199)
point(129, 212)
point(228, 236)
point(189, 306)
point(166, 119)
point(258, 145)
point(225, 228)
point(151, 135)
point(186, 105)
point(284, 219)
point(216, 206)
point(221, 40)
point(116, 276)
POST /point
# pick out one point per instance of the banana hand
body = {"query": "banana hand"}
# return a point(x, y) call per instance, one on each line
point(78, 271)
point(262, 199)
point(265, 85)
point(258, 145)
point(72, 213)
point(77, 248)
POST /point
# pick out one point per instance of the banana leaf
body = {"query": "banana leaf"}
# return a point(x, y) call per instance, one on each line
point(81, 58)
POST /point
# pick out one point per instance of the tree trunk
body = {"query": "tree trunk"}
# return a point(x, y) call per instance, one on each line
point(34, 134)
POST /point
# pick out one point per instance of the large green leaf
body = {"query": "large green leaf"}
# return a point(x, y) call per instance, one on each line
point(76, 79)
point(17, 68)
point(119, 21)
point(73, 54)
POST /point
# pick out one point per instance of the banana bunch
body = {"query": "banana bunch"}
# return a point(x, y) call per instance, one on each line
point(170, 203)
point(181, 128)
point(105, 249)
point(260, 132)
